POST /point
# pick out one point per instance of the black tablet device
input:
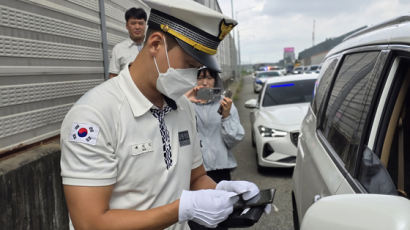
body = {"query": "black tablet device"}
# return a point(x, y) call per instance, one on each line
point(247, 213)
point(264, 197)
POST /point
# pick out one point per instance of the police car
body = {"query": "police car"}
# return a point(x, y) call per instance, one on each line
point(262, 76)
point(353, 159)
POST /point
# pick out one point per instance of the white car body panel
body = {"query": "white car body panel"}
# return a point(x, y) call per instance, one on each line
point(358, 212)
point(284, 117)
point(324, 177)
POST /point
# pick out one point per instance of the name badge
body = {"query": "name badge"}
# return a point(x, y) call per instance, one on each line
point(184, 138)
point(142, 148)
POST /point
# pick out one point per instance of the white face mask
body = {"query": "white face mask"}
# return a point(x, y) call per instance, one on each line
point(175, 82)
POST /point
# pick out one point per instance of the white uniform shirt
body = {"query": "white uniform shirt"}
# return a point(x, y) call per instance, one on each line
point(122, 54)
point(110, 137)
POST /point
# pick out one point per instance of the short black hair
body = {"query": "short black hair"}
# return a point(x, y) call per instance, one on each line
point(214, 74)
point(137, 13)
point(171, 42)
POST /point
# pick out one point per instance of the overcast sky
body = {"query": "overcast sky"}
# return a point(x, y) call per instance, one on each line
point(267, 26)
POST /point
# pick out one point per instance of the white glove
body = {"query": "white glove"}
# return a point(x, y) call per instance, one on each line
point(246, 188)
point(206, 207)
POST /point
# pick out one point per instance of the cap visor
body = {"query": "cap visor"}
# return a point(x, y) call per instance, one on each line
point(203, 58)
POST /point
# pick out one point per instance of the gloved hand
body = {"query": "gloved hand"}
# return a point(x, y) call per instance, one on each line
point(206, 207)
point(246, 188)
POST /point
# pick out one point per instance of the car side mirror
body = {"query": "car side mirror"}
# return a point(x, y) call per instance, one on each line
point(358, 211)
point(251, 104)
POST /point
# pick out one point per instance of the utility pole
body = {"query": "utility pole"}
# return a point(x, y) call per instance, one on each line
point(106, 60)
point(232, 9)
point(233, 57)
point(239, 42)
point(313, 33)
point(239, 53)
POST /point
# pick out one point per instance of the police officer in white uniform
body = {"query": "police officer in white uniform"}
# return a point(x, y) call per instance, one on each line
point(130, 156)
point(126, 51)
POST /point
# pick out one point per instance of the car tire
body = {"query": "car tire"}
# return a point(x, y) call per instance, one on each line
point(295, 213)
point(261, 169)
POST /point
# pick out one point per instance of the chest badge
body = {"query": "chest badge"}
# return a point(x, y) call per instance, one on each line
point(183, 137)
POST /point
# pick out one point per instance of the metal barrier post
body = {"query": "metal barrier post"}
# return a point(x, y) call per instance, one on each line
point(104, 39)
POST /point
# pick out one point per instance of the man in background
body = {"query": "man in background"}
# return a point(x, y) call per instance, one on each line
point(127, 50)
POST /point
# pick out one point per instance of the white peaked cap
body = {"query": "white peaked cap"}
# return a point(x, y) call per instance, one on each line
point(197, 28)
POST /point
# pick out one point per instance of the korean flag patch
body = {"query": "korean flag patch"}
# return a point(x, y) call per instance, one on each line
point(84, 133)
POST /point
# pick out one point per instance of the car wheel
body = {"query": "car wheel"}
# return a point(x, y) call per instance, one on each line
point(295, 213)
point(261, 169)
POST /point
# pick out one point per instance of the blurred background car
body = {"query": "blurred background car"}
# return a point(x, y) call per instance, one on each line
point(283, 71)
point(262, 68)
point(276, 118)
point(298, 70)
point(313, 69)
point(260, 78)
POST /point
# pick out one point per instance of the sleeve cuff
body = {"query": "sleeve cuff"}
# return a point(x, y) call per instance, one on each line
point(197, 164)
point(227, 118)
point(88, 182)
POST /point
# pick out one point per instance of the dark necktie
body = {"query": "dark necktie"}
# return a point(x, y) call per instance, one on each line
point(166, 141)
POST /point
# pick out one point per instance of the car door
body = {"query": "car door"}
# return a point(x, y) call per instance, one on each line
point(384, 166)
point(347, 119)
point(307, 178)
point(332, 139)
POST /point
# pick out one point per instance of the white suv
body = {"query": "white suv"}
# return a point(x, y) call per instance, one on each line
point(355, 137)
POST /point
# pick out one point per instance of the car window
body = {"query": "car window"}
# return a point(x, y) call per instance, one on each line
point(392, 148)
point(268, 74)
point(348, 106)
point(324, 83)
point(288, 92)
point(314, 67)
